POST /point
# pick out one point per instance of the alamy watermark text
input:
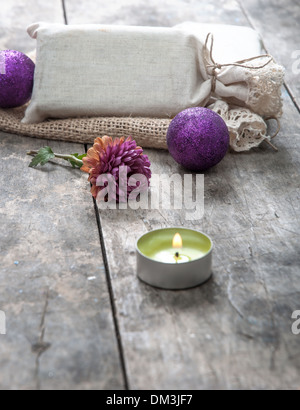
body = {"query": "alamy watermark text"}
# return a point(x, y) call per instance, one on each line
point(2, 64)
point(167, 192)
point(296, 324)
point(2, 323)
point(296, 63)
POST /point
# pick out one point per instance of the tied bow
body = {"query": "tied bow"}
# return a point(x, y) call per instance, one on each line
point(211, 63)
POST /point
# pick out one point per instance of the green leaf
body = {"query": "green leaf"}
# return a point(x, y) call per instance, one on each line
point(73, 163)
point(79, 156)
point(43, 156)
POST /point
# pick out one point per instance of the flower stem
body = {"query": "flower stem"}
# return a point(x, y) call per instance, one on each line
point(77, 161)
point(71, 157)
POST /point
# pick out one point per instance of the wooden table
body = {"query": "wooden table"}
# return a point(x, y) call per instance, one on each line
point(78, 317)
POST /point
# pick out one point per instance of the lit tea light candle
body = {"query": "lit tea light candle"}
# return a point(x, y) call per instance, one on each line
point(174, 258)
point(178, 244)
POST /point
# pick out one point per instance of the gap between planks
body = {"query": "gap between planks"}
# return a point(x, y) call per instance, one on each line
point(111, 293)
point(286, 86)
point(112, 297)
point(64, 11)
point(105, 261)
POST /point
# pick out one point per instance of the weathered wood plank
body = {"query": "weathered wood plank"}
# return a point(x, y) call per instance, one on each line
point(60, 331)
point(278, 23)
point(235, 331)
point(17, 15)
point(154, 13)
point(52, 273)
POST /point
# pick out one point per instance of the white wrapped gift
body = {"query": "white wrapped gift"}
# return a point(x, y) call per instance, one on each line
point(99, 70)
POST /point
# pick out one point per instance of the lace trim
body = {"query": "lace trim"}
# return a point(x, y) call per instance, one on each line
point(265, 84)
point(247, 130)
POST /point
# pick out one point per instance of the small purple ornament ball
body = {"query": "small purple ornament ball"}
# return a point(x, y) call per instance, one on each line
point(198, 139)
point(16, 78)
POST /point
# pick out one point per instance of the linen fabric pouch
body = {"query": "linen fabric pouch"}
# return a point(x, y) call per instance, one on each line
point(123, 71)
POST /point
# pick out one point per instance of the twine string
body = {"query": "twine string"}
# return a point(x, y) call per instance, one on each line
point(212, 64)
point(276, 132)
point(278, 125)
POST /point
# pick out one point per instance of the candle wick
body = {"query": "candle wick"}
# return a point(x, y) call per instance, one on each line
point(177, 255)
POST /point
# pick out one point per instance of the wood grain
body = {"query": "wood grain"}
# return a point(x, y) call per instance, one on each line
point(17, 15)
point(154, 13)
point(235, 331)
point(278, 23)
point(232, 333)
point(60, 332)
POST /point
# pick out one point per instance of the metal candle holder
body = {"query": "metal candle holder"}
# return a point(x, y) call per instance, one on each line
point(166, 275)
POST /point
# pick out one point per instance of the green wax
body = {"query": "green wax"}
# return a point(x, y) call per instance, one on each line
point(157, 245)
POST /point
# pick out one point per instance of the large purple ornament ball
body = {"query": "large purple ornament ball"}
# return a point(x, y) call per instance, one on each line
point(16, 78)
point(198, 139)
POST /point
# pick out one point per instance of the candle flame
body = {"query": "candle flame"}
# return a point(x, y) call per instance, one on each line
point(177, 241)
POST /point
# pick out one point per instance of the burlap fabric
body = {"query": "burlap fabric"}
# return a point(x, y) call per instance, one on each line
point(148, 132)
point(262, 79)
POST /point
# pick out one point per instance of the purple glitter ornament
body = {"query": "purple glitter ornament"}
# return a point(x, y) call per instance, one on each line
point(198, 139)
point(16, 78)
